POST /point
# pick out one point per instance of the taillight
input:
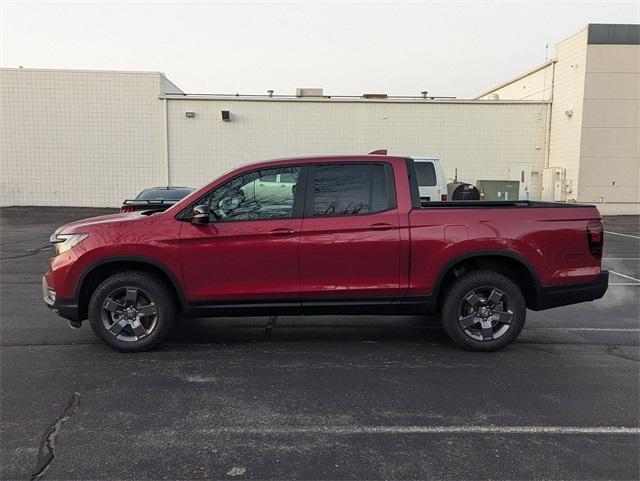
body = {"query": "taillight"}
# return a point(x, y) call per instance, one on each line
point(595, 237)
point(126, 208)
point(443, 197)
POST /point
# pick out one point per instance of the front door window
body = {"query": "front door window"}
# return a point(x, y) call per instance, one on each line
point(259, 195)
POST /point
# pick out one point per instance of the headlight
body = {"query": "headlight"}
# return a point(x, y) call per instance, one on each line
point(64, 242)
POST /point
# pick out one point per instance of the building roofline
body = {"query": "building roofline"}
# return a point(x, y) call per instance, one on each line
point(519, 77)
point(582, 30)
point(342, 99)
point(73, 70)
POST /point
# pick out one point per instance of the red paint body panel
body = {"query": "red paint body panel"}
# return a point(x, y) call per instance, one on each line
point(553, 241)
point(389, 255)
point(343, 257)
point(112, 236)
point(241, 261)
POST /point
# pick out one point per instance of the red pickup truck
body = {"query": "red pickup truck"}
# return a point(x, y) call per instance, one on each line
point(325, 235)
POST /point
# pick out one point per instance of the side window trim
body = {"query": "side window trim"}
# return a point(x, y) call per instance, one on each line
point(392, 200)
point(310, 189)
point(299, 197)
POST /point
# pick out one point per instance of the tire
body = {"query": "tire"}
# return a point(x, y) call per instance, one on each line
point(483, 311)
point(139, 308)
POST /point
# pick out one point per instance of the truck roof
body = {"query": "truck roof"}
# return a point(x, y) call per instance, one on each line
point(305, 159)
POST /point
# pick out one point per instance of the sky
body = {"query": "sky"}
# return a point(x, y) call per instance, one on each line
point(449, 48)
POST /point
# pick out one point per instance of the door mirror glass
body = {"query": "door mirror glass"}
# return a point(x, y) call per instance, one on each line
point(200, 214)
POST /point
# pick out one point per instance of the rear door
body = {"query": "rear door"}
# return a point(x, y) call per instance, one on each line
point(350, 242)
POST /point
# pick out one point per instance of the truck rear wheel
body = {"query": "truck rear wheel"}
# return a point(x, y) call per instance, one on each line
point(483, 311)
point(132, 311)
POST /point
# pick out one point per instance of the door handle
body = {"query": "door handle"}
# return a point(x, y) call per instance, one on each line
point(281, 232)
point(380, 227)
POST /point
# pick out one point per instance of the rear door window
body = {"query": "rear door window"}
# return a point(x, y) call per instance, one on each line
point(351, 189)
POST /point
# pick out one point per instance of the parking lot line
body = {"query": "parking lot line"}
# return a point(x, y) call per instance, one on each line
point(621, 258)
point(624, 284)
point(624, 275)
point(623, 235)
point(337, 430)
point(604, 329)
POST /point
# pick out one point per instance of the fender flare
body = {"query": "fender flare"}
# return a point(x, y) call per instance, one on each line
point(489, 253)
point(184, 302)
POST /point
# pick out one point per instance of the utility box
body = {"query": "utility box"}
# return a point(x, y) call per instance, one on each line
point(499, 189)
point(555, 186)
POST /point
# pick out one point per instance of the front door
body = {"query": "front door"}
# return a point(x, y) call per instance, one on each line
point(248, 252)
point(350, 243)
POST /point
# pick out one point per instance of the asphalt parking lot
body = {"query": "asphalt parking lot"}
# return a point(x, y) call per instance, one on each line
point(318, 398)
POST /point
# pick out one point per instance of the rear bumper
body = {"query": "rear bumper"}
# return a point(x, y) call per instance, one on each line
point(556, 296)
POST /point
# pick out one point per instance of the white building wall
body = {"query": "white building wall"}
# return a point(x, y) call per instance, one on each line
point(79, 138)
point(87, 138)
point(480, 139)
point(610, 157)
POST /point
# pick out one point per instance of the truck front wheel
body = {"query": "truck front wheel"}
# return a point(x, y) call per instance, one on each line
point(483, 311)
point(132, 311)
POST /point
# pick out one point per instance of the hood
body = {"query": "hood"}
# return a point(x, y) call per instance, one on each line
point(99, 221)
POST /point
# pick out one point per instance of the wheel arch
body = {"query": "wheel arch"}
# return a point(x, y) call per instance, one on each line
point(512, 265)
point(98, 271)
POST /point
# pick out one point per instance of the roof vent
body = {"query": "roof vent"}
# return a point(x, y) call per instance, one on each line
point(374, 96)
point(309, 93)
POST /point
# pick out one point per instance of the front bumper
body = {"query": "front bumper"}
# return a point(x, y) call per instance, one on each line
point(556, 296)
point(63, 307)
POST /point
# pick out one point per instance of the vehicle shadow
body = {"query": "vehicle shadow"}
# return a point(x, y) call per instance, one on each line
point(309, 329)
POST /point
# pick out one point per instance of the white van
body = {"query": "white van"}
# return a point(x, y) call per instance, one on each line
point(432, 182)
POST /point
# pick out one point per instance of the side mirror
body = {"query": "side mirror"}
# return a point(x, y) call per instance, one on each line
point(200, 214)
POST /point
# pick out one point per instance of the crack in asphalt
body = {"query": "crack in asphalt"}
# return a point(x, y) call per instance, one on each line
point(611, 350)
point(30, 252)
point(46, 452)
point(269, 327)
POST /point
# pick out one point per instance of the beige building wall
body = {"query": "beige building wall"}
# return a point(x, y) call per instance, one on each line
point(533, 85)
point(610, 157)
point(567, 107)
point(79, 138)
point(480, 139)
point(562, 81)
point(595, 116)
